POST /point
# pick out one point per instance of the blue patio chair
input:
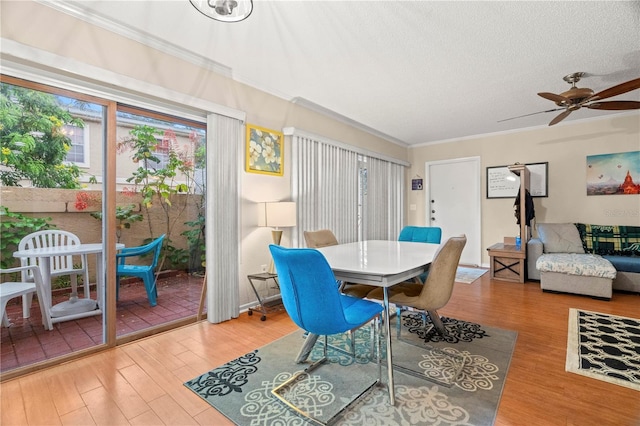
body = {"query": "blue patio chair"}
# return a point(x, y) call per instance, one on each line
point(313, 301)
point(146, 272)
point(421, 234)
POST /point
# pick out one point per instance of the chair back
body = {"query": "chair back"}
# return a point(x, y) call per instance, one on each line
point(49, 238)
point(321, 238)
point(154, 246)
point(421, 234)
point(309, 291)
point(438, 287)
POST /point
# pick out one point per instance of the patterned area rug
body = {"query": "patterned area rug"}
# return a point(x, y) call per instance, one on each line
point(469, 275)
point(241, 389)
point(604, 347)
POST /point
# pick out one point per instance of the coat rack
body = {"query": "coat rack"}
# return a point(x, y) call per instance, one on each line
point(507, 260)
point(522, 171)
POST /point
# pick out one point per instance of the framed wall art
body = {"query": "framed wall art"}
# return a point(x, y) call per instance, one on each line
point(613, 174)
point(264, 151)
point(501, 183)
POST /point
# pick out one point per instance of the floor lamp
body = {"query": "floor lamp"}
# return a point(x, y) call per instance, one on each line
point(279, 214)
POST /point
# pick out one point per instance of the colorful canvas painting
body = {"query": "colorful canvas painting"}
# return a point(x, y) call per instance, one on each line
point(613, 174)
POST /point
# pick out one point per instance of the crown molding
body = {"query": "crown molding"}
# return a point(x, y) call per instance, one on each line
point(78, 11)
point(527, 129)
point(338, 117)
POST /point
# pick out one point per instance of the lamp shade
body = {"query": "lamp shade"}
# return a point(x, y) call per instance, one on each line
point(278, 214)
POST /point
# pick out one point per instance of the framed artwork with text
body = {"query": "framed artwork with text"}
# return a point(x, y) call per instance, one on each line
point(501, 183)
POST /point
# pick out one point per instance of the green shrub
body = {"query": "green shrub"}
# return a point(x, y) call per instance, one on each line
point(13, 228)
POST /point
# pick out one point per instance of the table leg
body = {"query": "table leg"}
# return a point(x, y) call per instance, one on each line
point(45, 270)
point(387, 330)
point(99, 281)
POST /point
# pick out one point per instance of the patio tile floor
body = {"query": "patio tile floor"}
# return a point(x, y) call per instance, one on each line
point(26, 341)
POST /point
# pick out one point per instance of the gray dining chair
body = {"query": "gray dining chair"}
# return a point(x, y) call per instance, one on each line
point(435, 293)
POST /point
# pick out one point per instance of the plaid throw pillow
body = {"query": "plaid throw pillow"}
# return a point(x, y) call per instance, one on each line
point(610, 240)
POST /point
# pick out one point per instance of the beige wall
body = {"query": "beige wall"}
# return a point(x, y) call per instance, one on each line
point(565, 147)
point(98, 47)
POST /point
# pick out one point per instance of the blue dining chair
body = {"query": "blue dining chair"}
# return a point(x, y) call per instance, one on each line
point(146, 272)
point(313, 301)
point(421, 234)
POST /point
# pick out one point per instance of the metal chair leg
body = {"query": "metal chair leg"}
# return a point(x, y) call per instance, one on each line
point(276, 391)
point(437, 323)
point(352, 339)
point(398, 320)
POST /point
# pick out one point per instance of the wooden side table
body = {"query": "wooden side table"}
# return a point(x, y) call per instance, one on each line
point(265, 276)
point(507, 262)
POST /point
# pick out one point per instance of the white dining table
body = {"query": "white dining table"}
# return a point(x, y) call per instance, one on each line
point(74, 308)
point(383, 264)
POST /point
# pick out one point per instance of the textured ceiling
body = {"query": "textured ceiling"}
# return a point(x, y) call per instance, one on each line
point(414, 71)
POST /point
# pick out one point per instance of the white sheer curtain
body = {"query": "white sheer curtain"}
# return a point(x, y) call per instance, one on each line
point(224, 142)
point(325, 180)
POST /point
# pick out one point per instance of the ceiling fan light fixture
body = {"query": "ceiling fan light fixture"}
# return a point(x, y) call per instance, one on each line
point(576, 98)
point(224, 10)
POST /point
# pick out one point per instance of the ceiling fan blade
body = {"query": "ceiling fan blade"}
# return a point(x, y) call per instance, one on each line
point(617, 90)
point(560, 117)
point(555, 98)
point(614, 105)
point(527, 115)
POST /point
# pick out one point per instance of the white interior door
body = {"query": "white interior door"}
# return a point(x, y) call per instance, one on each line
point(453, 202)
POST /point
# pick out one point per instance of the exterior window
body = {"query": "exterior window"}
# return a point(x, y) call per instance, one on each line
point(162, 153)
point(79, 151)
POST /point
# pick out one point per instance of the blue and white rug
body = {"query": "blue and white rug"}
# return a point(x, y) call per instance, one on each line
point(241, 389)
point(468, 275)
point(604, 347)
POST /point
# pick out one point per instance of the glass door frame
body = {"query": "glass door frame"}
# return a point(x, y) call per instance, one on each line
point(109, 191)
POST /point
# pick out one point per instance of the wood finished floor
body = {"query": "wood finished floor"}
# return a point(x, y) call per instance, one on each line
point(142, 382)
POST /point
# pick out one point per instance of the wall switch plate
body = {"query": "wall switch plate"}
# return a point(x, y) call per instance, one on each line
point(263, 268)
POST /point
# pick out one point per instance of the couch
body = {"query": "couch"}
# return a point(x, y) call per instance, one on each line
point(585, 259)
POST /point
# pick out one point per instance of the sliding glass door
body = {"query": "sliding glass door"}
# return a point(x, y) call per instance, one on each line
point(161, 192)
point(51, 148)
point(99, 178)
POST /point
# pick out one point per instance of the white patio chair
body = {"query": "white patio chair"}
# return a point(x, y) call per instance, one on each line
point(60, 265)
point(12, 289)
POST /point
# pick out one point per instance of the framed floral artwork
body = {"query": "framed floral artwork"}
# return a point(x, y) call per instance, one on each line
point(265, 151)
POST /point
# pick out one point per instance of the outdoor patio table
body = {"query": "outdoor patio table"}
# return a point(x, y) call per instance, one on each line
point(73, 308)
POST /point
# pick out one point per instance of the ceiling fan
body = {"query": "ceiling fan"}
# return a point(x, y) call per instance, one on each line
point(576, 98)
